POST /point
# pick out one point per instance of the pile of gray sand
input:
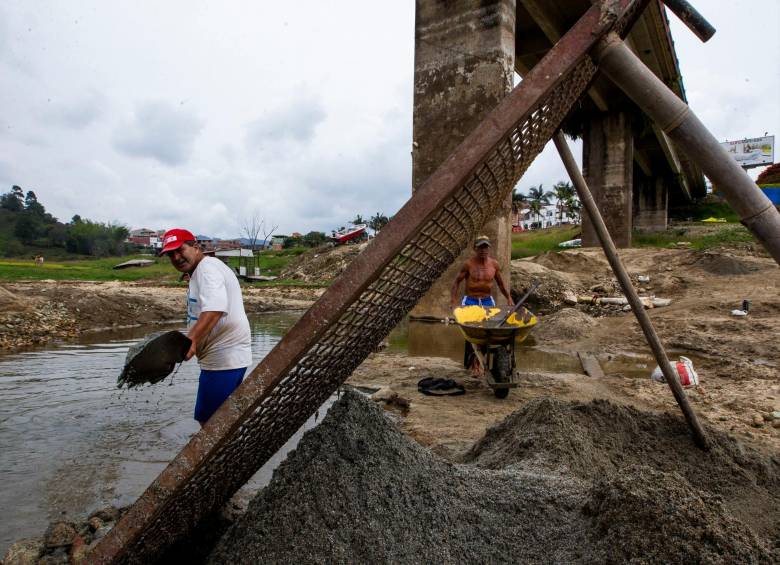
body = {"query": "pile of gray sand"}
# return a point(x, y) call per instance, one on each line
point(554, 482)
point(568, 324)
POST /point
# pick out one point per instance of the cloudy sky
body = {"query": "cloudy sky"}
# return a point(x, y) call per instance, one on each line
point(198, 114)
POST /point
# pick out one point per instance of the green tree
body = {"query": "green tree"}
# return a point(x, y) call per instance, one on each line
point(519, 200)
point(562, 191)
point(95, 238)
point(13, 200)
point(28, 227)
point(538, 194)
point(377, 222)
point(57, 234)
point(358, 220)
point(535, 206)
point(314, 239)
point(573, 207)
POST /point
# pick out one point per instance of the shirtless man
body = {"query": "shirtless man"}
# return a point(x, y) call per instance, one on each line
point(479, 273)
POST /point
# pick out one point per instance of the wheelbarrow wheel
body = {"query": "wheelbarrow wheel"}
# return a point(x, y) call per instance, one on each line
point(501, 371)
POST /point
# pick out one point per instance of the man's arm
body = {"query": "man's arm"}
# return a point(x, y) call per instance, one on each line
point(502, 285)
point(206, 322)
point(464, 272)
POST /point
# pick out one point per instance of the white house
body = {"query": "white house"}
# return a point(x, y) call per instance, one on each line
point(547, 218)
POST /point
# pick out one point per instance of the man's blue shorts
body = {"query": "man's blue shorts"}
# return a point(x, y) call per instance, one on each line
point(472, 301)
point(214, 388)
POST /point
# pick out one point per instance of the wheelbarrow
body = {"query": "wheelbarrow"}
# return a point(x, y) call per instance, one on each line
point(492, 336)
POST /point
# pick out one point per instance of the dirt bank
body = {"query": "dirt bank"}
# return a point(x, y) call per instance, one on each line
point(322, 264)
point(738, 359)
point(555, 482)
point(37, 312)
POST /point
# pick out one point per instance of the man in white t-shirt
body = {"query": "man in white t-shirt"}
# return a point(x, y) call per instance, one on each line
point(218, 326)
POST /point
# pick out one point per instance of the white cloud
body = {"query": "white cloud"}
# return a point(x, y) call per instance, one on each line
point(160, 131)
point(239, 112)
point(78, 113)
point(296, 122)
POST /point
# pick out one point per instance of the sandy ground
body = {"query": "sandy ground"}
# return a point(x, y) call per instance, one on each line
point(738, 359)
point(37, 312)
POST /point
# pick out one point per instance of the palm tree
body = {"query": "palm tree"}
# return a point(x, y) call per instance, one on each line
point(562, 191)
point(518, 196)
point(538, 194)
point(573, 207)
point(535, 206)
point(519, 201)
point(358, 220)
point(377, 222)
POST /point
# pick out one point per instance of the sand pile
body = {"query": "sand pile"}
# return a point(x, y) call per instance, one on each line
point(723, 264)
point(549, 296)
point(323, 263)
point(568, 324)
point(555, 482)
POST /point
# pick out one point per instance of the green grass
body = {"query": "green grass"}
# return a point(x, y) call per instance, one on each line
point(271, 263)
point(535, 242)
point(727, 235)
point(710, 207)
point(88, 270)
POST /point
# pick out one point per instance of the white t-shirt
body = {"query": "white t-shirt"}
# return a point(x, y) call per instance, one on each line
point(214, 288)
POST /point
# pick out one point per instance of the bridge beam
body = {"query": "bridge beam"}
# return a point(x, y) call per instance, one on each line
point(607, 158)
point(463, 66)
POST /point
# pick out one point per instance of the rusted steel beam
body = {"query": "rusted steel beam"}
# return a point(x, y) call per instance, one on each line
point(234, 443)
point(677, 120)
point(691, 18)
point(699, 436)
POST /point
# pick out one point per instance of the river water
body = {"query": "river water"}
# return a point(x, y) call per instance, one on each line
point(71, 442)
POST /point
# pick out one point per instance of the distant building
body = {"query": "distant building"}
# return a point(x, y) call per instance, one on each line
point(225, 244)
point(145, 237)
point(548, 217)
point(277, 242)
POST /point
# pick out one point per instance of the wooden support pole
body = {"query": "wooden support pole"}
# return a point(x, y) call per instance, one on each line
point(628, 289)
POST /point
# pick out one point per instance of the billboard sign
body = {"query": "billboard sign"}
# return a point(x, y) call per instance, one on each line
point(755, 152)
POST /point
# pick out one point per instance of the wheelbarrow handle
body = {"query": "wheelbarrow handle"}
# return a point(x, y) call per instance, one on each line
point(519, 303)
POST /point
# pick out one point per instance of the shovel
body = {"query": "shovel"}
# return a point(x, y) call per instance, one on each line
point(519, 303)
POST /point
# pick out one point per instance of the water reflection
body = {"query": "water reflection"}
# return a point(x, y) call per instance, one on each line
point(428, 339)
point(71, 442)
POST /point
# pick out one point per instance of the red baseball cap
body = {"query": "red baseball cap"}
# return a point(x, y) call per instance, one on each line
point(172, 239)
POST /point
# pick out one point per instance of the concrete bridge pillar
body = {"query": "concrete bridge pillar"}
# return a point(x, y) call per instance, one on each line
point(651, 202)
point(607, 162)
point(463, 66)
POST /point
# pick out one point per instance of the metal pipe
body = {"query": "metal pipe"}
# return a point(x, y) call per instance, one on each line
point(699, 436)
point(677, 120)
point(691, 18)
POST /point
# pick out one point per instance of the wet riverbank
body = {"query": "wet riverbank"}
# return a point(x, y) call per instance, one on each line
point(72, 442)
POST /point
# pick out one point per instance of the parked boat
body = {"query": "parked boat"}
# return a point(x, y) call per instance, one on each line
point(350, 234)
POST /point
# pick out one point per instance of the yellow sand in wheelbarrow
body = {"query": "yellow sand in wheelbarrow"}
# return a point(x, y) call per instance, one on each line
point(494, 342)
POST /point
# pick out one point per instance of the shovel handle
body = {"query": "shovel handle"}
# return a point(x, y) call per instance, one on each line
point(519, 303)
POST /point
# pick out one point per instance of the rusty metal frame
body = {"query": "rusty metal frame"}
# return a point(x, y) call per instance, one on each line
point(367, 301)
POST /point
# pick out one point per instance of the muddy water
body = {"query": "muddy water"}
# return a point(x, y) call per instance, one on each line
point(425, 339)
point(70, 442)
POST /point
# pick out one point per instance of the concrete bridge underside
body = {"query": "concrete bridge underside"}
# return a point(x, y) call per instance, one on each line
point(466, 53)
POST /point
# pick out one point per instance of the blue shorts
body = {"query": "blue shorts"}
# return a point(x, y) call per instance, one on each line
point(472, 301)
point(214, 387)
